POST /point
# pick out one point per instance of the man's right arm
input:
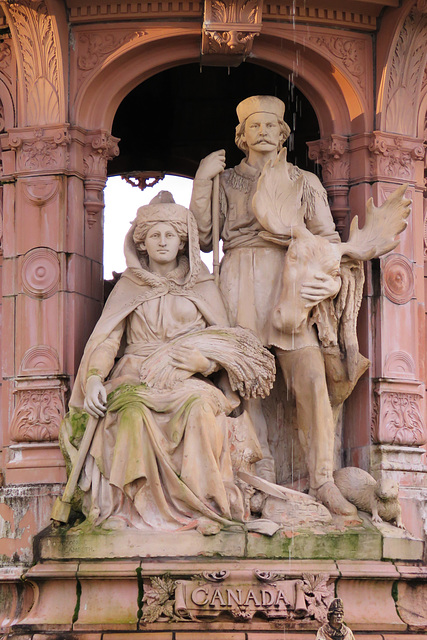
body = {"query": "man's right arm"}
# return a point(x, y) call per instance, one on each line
point(201, 198)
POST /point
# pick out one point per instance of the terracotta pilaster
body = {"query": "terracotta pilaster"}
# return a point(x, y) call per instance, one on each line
point(395, 295)
point(332, 155)
point(53, 264)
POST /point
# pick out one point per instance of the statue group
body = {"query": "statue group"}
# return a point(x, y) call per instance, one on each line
point(173, 377)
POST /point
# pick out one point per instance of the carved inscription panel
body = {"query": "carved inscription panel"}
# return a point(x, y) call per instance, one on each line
point(238, 595)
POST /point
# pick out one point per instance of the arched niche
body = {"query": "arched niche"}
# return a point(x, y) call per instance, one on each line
point(186, 112)
point(338, 106)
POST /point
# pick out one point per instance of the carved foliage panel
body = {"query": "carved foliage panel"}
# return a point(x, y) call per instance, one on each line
point(93, 47)
point(398, 417)
point(40, 61)
point(350, 54)
point(406, 75)
point(39, 409)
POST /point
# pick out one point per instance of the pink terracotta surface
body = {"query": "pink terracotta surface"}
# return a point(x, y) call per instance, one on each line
point(361, 608)
point(106, 603)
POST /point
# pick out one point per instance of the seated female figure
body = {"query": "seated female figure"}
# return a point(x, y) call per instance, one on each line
point(160, 456)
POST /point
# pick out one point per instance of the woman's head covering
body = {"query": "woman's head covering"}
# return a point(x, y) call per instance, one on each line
point(163, 208)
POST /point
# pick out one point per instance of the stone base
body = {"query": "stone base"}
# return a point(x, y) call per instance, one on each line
point(339, 540)
point(236, 585)
point(227, 599)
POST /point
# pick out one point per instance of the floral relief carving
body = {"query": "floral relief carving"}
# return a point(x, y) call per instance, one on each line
point(350, 52)
point(37, 415)
point(394, 157)
point(397, 418)
point(398, 279)
point(406, 74)
point(43, 151)
point(95, 46)
point(158, 600)
point(229, 28)
point(39, 59)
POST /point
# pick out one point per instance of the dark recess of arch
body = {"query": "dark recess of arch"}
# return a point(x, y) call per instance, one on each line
point(172, 120)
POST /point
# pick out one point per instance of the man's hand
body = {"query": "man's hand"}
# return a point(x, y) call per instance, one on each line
point(211, 166)
point(322, 287)
point(95, 403)
point(190, 359)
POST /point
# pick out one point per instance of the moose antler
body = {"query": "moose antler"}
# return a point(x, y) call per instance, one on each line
point(382, 225)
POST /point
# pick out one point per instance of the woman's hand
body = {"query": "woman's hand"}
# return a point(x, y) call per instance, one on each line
point(95, 403)
point(210, 166)
point(322, 287)
point(190, 359)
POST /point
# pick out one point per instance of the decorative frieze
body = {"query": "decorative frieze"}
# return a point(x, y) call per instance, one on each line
point(229, 29)
point(237, 595)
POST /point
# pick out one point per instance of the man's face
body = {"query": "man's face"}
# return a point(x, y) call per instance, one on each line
point(336, 618)
point(262, 132)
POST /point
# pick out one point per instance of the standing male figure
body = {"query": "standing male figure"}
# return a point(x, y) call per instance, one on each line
point(250, 279)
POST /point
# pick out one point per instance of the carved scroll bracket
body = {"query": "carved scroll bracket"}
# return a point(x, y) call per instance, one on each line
point(100, 147)
point(228, 31)
point(398, 413)
point(40, 407)
point(332, 154)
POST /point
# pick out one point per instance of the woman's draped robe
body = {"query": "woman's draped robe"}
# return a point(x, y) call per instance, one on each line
point(160, 458)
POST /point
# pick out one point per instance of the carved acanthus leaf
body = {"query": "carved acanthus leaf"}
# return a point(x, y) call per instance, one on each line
point(39, 56)
point(229, 29)
point(406, 74)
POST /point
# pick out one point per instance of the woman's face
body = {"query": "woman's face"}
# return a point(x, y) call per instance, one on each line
point(162, 243)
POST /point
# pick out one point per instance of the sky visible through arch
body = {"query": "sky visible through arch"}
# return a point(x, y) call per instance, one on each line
point(121, 203)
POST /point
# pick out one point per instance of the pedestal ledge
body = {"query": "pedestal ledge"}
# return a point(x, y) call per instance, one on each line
point(340, 541)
